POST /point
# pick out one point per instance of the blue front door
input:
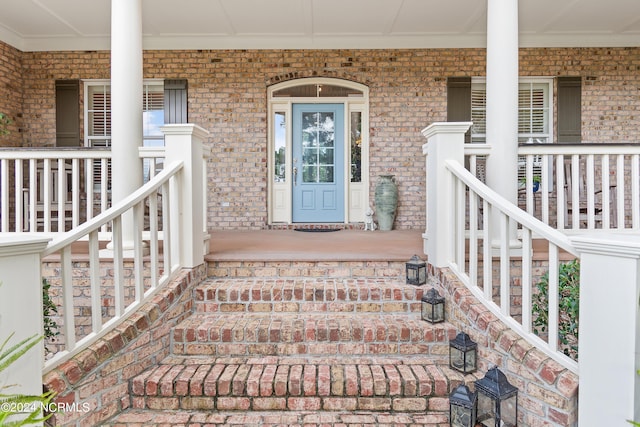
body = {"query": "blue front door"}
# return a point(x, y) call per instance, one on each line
point(318, 163)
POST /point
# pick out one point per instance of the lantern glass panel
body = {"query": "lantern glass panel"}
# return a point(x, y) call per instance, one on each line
point(463, 361)
point(486, 410)
point(461, 416)
point(508, 412)
point(433, 312)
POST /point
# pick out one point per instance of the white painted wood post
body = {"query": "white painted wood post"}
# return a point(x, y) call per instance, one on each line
point(183, 142)
point(21, 309)
point(445, 141)
point(609, 346)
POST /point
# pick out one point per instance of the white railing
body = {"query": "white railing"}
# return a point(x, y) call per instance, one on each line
point(492, 250)
point(54, 190)
point(147, 274)
point(574, 187)
point(49, 190)
point(489, 243)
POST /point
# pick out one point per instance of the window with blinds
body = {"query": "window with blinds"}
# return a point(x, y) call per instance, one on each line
point(534, 112)
point(98, 119)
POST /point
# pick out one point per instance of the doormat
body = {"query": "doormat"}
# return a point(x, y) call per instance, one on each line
point(317, 230)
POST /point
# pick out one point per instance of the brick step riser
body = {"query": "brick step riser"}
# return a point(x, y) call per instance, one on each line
point(227, 403)
point(347, 349)
point(308, 307)
point(435, 417)
point(304, 296)
point(317, 269)
point(245, 336)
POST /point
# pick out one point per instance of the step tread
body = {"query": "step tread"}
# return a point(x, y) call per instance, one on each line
point(149, 418)
point(177, 380)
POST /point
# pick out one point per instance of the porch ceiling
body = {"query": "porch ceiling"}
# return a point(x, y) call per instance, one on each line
point(41, 25)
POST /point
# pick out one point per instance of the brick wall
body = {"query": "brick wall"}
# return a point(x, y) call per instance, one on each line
point(547, 392)
point(11, 85)
point(97, 379)
point(227, 96)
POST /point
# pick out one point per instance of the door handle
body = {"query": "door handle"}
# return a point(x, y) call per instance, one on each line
point(295, 175)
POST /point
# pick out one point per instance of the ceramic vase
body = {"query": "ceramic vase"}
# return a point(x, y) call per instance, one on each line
point(386, 198)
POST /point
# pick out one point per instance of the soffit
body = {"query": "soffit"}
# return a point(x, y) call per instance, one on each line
point(32, 25)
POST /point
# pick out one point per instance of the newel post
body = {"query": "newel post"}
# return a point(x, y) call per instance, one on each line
point(183, 142)
point(21, 309)
point(609, 346)
point(445, 141)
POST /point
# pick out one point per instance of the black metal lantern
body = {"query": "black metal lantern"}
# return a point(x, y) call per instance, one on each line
point(463, 354)
point(416, 271)
point(432, 306)
point(463, 407)
point(497, 400)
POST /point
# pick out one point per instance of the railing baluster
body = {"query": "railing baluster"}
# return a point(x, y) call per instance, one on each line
point(575, 191)
point(67, 298)
point(529, 184)
point(138, 218)
point(487, 279)
point(153, 239)
point(544, 187)
point(591, 193)
point(104, 164)
point(166, 230)
point(459, 223)
point(88, 171)
point(22, 197)
point(527, 253)
point(553, 294)
point(561, 203)
point(62, 194)
point(606, 194)
point(620, 189)
point(635, 191)
point(504, 265)
point(94, 277)
point(75, 192)
point(118, 274)
point(4, 194)
point(46, 188)
point(33, 193)
point(473, 237)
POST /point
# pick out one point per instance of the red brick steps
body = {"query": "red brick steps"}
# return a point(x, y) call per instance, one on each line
point(309, 333)
point(410, 384)
point(282, 351)
point(147, 418)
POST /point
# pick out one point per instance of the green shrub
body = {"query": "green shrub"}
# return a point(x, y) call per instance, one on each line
point(48, 310)
point(9, 402)
point(569, 306)
point(5, 121)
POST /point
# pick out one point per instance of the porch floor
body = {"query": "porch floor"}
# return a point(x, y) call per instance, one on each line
point(290, 245)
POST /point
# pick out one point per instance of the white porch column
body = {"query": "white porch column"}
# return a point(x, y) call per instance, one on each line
point(21, 309)
point(502, 99)
point(183, 142)
point(126, 103)
point(609, 345)
point(445, 141)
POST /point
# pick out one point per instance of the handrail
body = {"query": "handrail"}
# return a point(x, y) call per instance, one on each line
point(124, 301)
point(110, 214)
point(499, 219)
point(542, 229)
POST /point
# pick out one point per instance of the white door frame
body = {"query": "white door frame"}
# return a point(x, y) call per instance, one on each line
point(356, 194)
